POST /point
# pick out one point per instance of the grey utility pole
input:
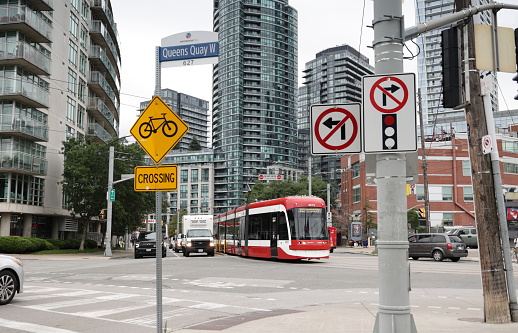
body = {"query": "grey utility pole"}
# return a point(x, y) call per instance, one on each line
point(394, 271)
point(108, 242)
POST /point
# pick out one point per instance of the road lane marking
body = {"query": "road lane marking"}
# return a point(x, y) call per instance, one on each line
point(32, 328)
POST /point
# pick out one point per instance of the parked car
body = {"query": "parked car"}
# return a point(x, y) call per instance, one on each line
point(437, 246)
point(177, 243)
point(11, 278)
point(467, 234)
point(145, 245)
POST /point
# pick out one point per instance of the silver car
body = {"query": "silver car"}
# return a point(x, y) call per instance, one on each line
point(11, 278)
point(437, 246)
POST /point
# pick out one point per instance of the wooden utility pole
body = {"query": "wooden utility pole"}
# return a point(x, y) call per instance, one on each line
point(496, 304)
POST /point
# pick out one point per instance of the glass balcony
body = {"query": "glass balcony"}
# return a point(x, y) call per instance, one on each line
point(101, 10)
point(102, 88)
point(47, 5)
point(27, 21)
point(100, 59)
point(100, 36)
point(24, 127)
point(26, 92)
point(23, 162)
point(98, 133)
point(25, 56)
point(99, 110)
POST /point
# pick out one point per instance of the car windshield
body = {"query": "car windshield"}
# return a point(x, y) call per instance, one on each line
point(199, 233)
point(147, 236)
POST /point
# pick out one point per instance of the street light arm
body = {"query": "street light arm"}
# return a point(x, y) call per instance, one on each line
point(414, 31)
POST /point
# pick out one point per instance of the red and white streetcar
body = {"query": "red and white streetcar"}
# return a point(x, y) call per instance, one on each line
point(285, 228)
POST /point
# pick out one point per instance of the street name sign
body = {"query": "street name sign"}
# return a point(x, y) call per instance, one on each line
point(389, 113)
point(189, 48)
point(335, 128)
point(156, 178)
point(158, 129)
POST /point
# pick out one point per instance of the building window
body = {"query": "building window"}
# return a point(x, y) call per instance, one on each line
point(80, 117)
point(81, 91)
point(184, 176)
point(71, 109)
point(70, 132)
point(72, 81)
point(194, 175)
point(356, 170)
point(357, 194)
point(204, 175)
point(85, 10)
point(466, 168)
point(72, 53)
point(74, 25)
point(183, 191)
point(447, 194)
point(183, 204)
point(82, 63)
point(204, 190)
point(510, 146)
point(468, 193)
point(83, 36)
point(447, 219)
point(510, 168)
point(419, 192)
point(75, 4)
point(194, 191)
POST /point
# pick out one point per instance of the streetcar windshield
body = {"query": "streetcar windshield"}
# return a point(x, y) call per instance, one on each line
point(307, 223)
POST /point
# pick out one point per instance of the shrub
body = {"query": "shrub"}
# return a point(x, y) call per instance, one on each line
point(14, 244)
point(57, 243)
point(90, 244)
point(42, 244)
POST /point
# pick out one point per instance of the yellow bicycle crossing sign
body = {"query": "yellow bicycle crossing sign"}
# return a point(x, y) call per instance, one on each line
point(158, 129)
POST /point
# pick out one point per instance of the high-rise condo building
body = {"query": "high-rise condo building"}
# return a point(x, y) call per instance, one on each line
point(334, 76)
point(436, 118)
point(59, 65)
point(254, 94)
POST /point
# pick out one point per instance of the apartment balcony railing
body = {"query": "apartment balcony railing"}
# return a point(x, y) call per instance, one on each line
point(27, 21)
point(102, 88)
point(100, 59)
point(98, 133)
point(23, 91)
point(26, 56)
point(24, 127)
point(46, 5)
point(101, 36)
point(23, 162)
point(101, 10)
point(99, 110)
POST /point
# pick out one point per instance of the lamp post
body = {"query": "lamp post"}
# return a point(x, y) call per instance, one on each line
point(109, 197)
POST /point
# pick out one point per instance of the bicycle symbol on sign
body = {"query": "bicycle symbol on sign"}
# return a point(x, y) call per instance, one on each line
point(169, 127)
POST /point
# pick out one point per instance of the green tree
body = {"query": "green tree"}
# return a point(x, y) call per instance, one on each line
point(368, 216)
point(85, 183)
point(194, 145)
point(279, 189)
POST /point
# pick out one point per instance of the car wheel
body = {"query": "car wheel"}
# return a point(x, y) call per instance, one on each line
point(137, 255)
point(164, 253)
point(331, 251)
point(455, 259)
point(210, 254)
point(415, 258)
point(8, 286)
point(437, 255)
point(176, 250)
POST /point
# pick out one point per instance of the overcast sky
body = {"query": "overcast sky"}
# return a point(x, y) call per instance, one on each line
point(322, 24)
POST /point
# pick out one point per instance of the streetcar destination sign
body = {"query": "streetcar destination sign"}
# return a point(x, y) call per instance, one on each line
point(156, 178)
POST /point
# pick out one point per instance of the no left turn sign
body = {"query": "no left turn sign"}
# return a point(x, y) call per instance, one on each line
point(335, 128)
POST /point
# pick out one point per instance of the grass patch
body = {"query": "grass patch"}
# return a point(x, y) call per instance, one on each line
point(68, 251)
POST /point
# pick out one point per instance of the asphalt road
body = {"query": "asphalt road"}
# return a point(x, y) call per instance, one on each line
point(66, 294)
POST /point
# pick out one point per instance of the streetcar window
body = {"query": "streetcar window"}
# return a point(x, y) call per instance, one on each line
point(283, 227)
point(307, 223)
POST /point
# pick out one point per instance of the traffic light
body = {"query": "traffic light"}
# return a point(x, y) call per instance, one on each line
point(451, 67)
point(102, 214)
point(389, 135)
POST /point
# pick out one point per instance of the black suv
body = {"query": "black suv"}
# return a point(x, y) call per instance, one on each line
point(437, 246)
point(146, 245)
